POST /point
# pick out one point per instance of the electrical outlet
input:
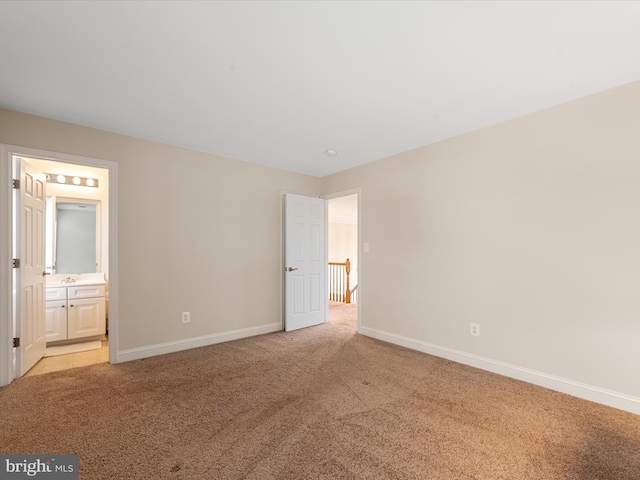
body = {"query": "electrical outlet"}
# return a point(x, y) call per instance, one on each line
point(186, 317)
point(474, 329)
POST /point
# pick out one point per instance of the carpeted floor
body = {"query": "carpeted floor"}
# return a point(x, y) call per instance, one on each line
point(322, 402)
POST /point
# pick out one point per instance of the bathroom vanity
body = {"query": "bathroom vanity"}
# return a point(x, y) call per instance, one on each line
point(75, 307)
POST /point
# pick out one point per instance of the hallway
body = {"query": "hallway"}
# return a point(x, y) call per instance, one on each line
point(344, 314)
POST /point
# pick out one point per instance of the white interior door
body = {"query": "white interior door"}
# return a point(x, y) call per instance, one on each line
point(305, 262)
point(31, 203)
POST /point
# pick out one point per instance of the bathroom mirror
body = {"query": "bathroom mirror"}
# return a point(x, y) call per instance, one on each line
point(73, 235)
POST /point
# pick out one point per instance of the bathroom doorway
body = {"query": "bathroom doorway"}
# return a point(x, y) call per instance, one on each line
point(77, 249)
point(343, 231)
point(72, 194)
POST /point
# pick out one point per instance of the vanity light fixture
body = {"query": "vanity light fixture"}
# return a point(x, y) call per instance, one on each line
point(72, 180)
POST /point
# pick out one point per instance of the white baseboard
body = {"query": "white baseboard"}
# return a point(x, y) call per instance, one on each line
point(188, 343)
point(576, 389)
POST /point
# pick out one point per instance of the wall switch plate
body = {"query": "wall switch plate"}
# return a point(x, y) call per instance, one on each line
point(186, 317)
point(366, 247)
point(474, 329)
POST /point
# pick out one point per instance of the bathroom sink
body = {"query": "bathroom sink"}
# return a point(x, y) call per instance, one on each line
point(63, 280)
point(78, 282)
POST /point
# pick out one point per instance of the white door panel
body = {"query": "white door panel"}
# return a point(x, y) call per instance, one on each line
point(305, 262)
point(31, 307)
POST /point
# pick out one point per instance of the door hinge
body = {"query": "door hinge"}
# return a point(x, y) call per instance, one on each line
point(16, 263)
point(16, 184)
point(16, 342)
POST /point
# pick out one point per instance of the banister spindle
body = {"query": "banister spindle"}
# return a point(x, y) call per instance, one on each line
point(347, 294)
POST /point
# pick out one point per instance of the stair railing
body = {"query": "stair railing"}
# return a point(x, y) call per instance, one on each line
point(339, 289)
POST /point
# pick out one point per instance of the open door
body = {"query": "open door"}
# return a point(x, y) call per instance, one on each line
point(305, 262)
point(30, 314)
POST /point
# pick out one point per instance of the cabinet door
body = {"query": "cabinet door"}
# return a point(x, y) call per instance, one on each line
point(85, 317)
point(56, 320)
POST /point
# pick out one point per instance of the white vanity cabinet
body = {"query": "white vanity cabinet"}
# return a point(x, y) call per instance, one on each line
point(75, 311)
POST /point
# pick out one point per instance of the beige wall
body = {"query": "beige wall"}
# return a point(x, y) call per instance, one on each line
point(196, 232)
point(530, 228)
point(343, 244)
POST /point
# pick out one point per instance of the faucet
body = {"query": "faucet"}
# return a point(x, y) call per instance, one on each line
point(69, 280)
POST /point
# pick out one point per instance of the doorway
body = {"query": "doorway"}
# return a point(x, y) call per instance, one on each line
point(343, 233)
point(106, 252)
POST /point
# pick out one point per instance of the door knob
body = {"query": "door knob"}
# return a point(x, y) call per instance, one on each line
point(289, 269)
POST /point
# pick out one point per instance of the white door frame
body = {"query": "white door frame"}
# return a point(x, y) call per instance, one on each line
point(346, 193)
point(6, 248)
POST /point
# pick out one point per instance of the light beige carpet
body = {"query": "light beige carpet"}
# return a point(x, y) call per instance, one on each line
point(319, 403)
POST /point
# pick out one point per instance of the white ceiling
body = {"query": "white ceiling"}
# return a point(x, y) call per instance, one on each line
point(278, 83)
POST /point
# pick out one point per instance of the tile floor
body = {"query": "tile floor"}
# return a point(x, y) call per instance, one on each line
point(71, 360)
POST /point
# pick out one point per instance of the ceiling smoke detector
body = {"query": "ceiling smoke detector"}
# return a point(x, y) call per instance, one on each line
point(331, 152)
